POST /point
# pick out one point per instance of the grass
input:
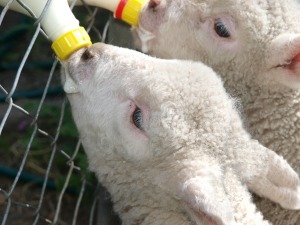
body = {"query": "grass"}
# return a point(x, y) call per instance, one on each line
point(15, 145)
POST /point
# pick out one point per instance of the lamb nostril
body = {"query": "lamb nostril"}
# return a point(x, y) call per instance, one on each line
point(153, 4)
point(88, 54)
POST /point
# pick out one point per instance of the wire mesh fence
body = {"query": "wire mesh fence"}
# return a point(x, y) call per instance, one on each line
point(43, 170)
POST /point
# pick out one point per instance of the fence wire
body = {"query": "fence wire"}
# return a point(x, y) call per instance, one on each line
point(43, 170)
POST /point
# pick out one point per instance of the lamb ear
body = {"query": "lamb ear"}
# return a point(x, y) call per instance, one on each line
point(206, 201)
point(283, 60)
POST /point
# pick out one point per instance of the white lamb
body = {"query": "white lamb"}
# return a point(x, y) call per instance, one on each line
point(167, 142)
point(255, 46)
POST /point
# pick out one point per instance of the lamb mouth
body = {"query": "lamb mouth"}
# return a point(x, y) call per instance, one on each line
point(69, 84)
point(71, 65)
point(145, 36)
point(286, 65)
point(290, 63)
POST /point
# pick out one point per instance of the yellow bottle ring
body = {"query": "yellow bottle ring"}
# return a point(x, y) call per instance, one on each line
point(129, 11)
point(71, 41)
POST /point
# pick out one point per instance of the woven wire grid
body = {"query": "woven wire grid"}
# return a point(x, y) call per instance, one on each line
point(37, 165)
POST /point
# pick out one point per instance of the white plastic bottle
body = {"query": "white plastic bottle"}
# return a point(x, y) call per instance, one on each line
point(126, 10)
point(59, 24)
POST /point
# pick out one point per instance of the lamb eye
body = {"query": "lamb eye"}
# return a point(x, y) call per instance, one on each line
point(221, 29)
point(137, 118)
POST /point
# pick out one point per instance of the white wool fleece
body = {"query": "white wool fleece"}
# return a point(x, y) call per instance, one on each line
point(255, 47)
point(167, 142)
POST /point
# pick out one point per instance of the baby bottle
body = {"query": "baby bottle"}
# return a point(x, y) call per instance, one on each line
point(58, 22)
point(125, 10)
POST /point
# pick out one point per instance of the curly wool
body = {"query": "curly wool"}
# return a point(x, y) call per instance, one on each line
point(259, 64)
point(191, 151)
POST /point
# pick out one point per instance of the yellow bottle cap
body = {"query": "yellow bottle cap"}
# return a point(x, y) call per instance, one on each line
point(71, 41)
point(129, 11)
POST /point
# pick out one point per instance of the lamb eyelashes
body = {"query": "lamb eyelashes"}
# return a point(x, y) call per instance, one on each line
point(137, 118)
point(221, 29)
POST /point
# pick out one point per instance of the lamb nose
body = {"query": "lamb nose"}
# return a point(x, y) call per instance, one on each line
point(153, 4)
point(88, 54)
